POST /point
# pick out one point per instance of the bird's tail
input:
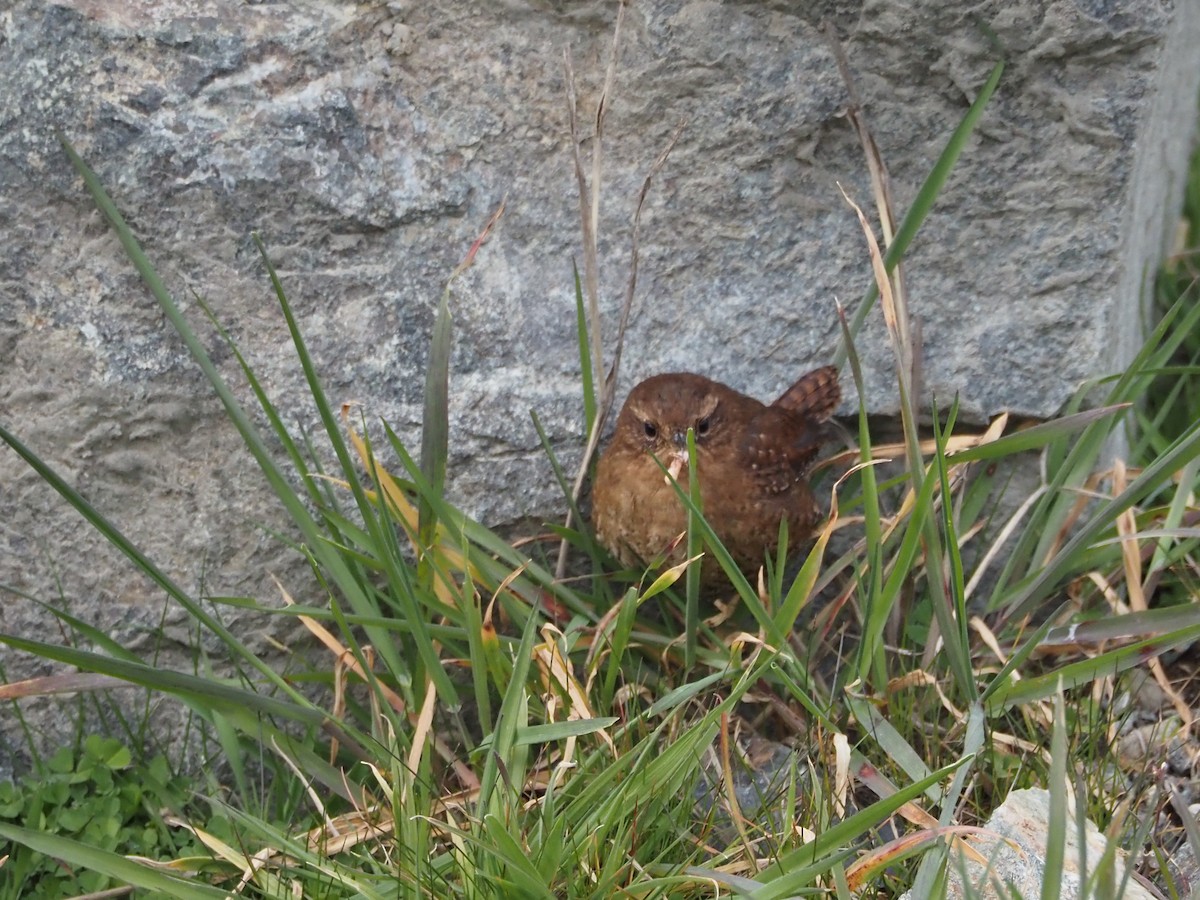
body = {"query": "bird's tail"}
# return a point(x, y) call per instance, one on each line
point(816, 395)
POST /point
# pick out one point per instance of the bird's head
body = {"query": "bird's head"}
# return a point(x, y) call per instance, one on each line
point(659, 411)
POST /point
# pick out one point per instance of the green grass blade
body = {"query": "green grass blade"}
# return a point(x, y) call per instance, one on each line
point(953, 621)
point(1070, 463)
point(796, 869)
point(521, 876)
point(694, 546)
point(871, 652)
point(583, 534)
point(737, 579)
point(586, 376)
point(801, 589)
point(1056, 822)
point(291, 448)
point(139, 559)
point(1036, 436)
point(1003, 694)
point(876, 725)
point(435, 428)
point(456, 523)
point(213, 693)
point(414, 598)
point(332, 561)
point(512, 716)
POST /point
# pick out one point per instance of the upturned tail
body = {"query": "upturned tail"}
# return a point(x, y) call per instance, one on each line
point(816, 395)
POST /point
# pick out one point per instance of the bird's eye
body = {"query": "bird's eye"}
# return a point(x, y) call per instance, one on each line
point(650, 429)
point(702, 427)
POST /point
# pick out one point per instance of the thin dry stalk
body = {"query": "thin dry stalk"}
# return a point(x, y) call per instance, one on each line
point(589, 220)
point(589, 207)
point(608, 392)
point(589, 195)
point(610, 380)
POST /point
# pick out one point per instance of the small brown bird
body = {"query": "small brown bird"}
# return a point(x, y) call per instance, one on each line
point(751, 462)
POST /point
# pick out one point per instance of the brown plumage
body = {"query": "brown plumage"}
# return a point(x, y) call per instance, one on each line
point(752, 461)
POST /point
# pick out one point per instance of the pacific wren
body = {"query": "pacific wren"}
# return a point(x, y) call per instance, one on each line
point(751, 461)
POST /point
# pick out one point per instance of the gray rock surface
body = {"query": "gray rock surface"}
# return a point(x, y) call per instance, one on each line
point(370, 142)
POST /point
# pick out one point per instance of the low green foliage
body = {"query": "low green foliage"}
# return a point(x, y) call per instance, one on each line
point(98, 795)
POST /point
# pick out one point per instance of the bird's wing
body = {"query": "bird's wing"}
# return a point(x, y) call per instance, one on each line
point(779, 448)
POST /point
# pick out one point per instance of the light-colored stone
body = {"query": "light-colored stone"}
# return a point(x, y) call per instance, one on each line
point(1015, 847)
point(369, 143)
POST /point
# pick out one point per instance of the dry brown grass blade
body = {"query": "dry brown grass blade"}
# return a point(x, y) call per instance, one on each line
point(341, 668)
point(866, 867)
point(1127, 528)
point(423, 728)
point(981, 628)
point(608, 391)
point(955, 443)
point(559, 680)
point(349, 830)
point(885, 208)
point(892, 311)
point(1131, 557)
point(223, 851)
point(867, 775)
point(997, 546)
point(340, 651)
point(343, 654)
point(729, 782)
point(67, 683)
point(589, 216)
point(841, 774)
point(302, 778)
point(480, 240)
point(880, 180)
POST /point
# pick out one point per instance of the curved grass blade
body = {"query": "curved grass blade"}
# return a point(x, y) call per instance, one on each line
point(1003, 692)
point(924, 200)
point(1185, 449)
point(111, 864)
point(143, 563)
point(329, 559)
point(1036, 436)
point(795, 870)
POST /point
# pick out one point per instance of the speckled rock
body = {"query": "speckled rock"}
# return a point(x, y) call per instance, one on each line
point(370, 142)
